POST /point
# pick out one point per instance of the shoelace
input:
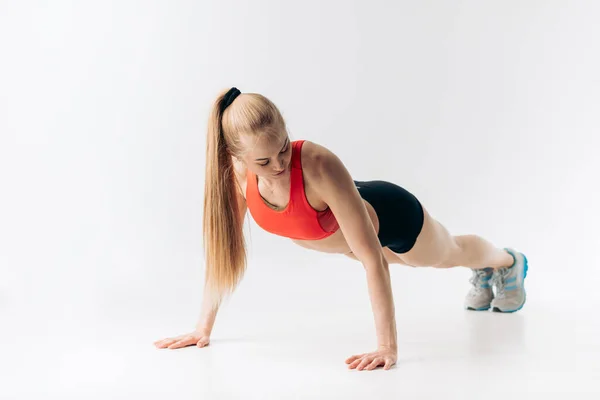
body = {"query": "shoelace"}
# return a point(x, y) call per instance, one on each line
point(498, 280)
point(478, 276)
point(476, 279)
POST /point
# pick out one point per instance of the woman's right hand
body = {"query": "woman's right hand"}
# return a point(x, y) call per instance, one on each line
point(197, 338)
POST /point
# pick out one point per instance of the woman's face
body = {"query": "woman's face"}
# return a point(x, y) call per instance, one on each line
point(269, 158)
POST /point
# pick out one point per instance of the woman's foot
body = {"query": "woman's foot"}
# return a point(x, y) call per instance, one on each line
point(509, 282)
point(480, 296)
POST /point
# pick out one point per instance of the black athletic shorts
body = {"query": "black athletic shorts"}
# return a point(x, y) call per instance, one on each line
point(400, 213)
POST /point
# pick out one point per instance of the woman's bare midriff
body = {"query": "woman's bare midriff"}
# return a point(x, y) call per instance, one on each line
point(335, 243)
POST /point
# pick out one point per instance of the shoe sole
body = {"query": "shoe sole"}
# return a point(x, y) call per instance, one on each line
point(496, 309)
point(478, 309)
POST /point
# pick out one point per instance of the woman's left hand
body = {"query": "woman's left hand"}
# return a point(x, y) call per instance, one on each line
point(383, 356)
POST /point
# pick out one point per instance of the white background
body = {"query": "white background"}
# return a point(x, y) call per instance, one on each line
point(486, 111)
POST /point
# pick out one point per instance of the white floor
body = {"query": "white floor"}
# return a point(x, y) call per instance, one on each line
point(290, 340)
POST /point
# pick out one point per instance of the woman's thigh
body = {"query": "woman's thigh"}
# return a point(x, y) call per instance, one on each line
point(434, 245)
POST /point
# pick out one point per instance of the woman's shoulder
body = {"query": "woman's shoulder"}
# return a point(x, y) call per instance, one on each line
point(317, 161)
point(312, 152)
point(313, 155)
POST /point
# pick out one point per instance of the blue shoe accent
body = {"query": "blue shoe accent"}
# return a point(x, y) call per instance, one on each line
point(511, 280)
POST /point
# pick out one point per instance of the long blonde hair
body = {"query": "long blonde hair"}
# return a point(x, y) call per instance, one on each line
point(224, 242)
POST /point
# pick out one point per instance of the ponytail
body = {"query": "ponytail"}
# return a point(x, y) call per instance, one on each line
point(224, 242)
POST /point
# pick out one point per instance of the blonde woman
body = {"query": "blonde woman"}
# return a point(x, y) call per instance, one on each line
point(301, 190)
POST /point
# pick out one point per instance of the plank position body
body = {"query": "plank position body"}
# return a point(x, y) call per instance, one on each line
point(301, 190)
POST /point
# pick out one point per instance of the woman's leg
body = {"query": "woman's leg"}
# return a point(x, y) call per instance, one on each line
point(436, 247)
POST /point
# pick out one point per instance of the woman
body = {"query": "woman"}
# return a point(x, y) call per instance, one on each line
point(302, 191)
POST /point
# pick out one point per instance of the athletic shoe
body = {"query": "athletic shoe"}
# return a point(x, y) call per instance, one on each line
point(509, 284)
point(480, 296)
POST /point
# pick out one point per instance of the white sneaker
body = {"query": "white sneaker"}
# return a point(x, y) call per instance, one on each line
point(480, 296)
point(509, 283)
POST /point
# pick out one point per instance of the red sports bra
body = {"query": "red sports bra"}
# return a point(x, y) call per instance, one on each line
point(298, 220)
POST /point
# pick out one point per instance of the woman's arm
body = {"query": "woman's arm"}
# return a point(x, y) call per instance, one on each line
point(337, 189)
point(208, 314)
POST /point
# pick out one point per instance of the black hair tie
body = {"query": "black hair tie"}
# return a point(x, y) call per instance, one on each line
point(230, 96)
